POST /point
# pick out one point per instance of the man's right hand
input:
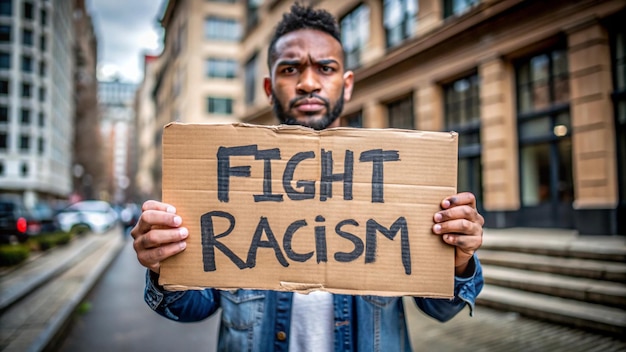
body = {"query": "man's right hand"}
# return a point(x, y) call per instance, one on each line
point(158, 235)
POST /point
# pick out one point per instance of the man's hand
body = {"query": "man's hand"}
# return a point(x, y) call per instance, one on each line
point(158, 235)
point(460, 225)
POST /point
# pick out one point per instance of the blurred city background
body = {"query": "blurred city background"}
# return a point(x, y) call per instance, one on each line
point(535, 89)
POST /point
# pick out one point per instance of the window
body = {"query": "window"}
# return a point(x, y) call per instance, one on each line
point(27, 37)
point(43, 19)
point(457, 7)
point(4, 87)
point(42, 43)
point(6, 7)
point(5, 34)
point(250, 77)
point(355, 35)
point(42, 119)
point(544, 133)
point(1, 167)
point(618, 53)
point(252, 12)
point(4, 141)
point(25, 117)
point(353, 120)
point(42, 68)
point(27, 63)
point(42, 94)
point(221, 68)
point(5, 61)
point(24, 169)
point(24, 143)
point(462, 114)
point(220, 106)
point(41, 146)
point(400, 113)
point(222, 29)
point(4, 114)
point(27, 90)
point(398, 20)
point(28, 11)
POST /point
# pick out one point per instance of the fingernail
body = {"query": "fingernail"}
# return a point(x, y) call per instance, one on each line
point(183, 232)
point(446, 237)
point(446, 203)
point(437, 228)
point(438, 217)
point(177, 220)
point(182, 244)
point(171, 209)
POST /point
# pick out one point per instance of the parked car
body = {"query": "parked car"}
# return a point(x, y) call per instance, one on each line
point(14, 220)
point(90, 215)
point(45, 218)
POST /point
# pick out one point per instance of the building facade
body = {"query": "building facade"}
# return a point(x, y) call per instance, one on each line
point(89, 171)
point(535, 89)
point(36, 98)
point(116, 101)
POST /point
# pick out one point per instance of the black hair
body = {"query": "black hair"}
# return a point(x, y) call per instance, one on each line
point(302, 17)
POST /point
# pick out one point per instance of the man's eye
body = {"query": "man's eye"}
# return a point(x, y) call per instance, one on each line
point(289, 70)
point(327, 69)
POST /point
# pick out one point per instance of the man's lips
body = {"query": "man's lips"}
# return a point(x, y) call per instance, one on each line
point(308, 105)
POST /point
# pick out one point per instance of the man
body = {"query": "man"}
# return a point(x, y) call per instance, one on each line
point(307, 86)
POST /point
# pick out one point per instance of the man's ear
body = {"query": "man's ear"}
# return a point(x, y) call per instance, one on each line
point(267, 85)
point(348, 84)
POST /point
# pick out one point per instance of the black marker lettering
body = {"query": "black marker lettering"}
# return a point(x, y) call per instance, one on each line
point(378, 157)
point(210, 242)
point(271, 242)
point(327, 177)
point(370, 240)
point(307, 186)
point(358, 243)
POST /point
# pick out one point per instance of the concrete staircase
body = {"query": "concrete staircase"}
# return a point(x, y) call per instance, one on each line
point(557, 276)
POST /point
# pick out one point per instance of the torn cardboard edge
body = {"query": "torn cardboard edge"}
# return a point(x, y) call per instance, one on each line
point(392, 218)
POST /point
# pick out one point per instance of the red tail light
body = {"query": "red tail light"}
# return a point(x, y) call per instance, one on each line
point(22, 225)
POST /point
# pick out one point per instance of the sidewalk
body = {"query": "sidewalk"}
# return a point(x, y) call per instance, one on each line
point(38, 297)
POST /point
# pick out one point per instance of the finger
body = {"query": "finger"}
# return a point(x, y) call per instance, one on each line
point(160, 237)
point(152, 258)
point(458, 226)
point(464, 198)
point(467, 244)
point(152, 218)
point(459, 212)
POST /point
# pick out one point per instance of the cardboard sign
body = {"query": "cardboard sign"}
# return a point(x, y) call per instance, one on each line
point(289, 208)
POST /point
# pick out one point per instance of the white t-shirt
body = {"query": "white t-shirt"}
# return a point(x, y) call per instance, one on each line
point(312, 322)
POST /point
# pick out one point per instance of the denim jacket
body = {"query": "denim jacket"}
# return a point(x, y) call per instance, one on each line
point(256, 320)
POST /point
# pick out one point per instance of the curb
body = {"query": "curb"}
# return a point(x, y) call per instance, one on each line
point(49, 335)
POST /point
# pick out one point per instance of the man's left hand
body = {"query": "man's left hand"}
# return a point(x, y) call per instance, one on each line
point(460, 225)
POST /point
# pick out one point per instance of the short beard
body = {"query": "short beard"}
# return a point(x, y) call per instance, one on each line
point(326, 120)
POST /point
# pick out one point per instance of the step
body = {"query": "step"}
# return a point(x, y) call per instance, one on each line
point(587, 268)
point(605, 248)
point(587, 290)
point(581, 315)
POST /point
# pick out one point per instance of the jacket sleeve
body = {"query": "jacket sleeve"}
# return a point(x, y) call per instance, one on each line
point(466, 289)
point(182, 306)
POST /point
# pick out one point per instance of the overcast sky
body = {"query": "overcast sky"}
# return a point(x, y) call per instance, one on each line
point(125, 29)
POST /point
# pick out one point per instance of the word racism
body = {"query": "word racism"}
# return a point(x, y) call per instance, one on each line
point(303, 190)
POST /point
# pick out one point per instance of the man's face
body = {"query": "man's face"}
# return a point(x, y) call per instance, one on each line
point(308, 85)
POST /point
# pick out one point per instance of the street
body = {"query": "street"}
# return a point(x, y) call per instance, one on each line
point(115, 317)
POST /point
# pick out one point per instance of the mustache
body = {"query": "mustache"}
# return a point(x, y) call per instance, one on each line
point(295, 100)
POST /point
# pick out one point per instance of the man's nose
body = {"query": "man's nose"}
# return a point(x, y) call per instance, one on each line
point(308, 82)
